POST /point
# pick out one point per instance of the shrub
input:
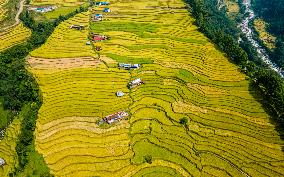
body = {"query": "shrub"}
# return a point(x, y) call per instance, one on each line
point(148, 159)
point(183, 121)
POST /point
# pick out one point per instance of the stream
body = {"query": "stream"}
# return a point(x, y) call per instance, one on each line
point(249, 33)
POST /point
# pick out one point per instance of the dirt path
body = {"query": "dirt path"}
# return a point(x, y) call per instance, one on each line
point(17, 17)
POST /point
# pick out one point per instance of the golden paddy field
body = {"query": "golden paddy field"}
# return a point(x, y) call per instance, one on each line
point(8, 147)
point(57, 2)
point(2, 10)
point(228, 133)
point(14, 36)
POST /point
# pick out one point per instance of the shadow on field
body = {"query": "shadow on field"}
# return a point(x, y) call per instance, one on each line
point(279, 127)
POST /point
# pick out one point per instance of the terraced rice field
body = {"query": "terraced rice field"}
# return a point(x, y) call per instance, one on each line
point(228, 133)
point(14, 36)
point(66, 42)
point(7, 148)
point(2, 10)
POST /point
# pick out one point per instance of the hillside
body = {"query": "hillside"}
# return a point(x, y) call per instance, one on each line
point(14, 36)
point(12, 32)
point(185, 78)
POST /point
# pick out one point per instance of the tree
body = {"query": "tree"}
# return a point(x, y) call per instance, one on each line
point(183, 121)
point(148, 158)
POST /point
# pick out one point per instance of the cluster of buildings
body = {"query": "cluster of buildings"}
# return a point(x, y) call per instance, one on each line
point(99, 17)
point(118, 116)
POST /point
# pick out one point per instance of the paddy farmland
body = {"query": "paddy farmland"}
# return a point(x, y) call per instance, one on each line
point(192, 113)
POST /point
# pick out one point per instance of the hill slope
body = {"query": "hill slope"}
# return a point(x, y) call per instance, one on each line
point(228, 133)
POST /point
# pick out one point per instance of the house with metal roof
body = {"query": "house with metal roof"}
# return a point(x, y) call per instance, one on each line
point(129, 66)
point(106, 10)
point(102, 3)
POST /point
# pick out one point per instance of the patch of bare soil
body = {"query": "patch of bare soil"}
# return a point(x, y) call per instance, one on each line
point(63, 63)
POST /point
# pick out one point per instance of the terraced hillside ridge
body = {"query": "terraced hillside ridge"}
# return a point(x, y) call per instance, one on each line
point(57, 2)
point(8, 148)
point(184, 75)
point(2, 10)
point(14, 36)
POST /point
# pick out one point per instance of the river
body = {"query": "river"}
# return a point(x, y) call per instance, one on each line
point(247, 30)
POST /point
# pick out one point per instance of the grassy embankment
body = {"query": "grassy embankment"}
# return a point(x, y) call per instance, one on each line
point(11, 36)
point(233, 7)
point(228, 133)
point(267, 38)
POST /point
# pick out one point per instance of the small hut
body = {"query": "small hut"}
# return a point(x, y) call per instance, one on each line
point(88, 43)
point(135, 83)
point(106, 10)
point(77, 27)
point(119, 94)
point(2, 162)
point(102, 3)
point(98, 48)
point(97, 17)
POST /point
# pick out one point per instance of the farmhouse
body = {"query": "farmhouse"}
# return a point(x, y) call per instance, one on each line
point(129, 66)
point(77, 27)
point(135, 83)
point(115, 117)
point(43, 9)
point(88, 43)
point(2, 162)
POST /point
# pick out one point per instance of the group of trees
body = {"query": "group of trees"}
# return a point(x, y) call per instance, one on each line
point(223, 31)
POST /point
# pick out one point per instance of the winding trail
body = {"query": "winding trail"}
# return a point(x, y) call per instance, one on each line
point(17, 17)
point(249, 33)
